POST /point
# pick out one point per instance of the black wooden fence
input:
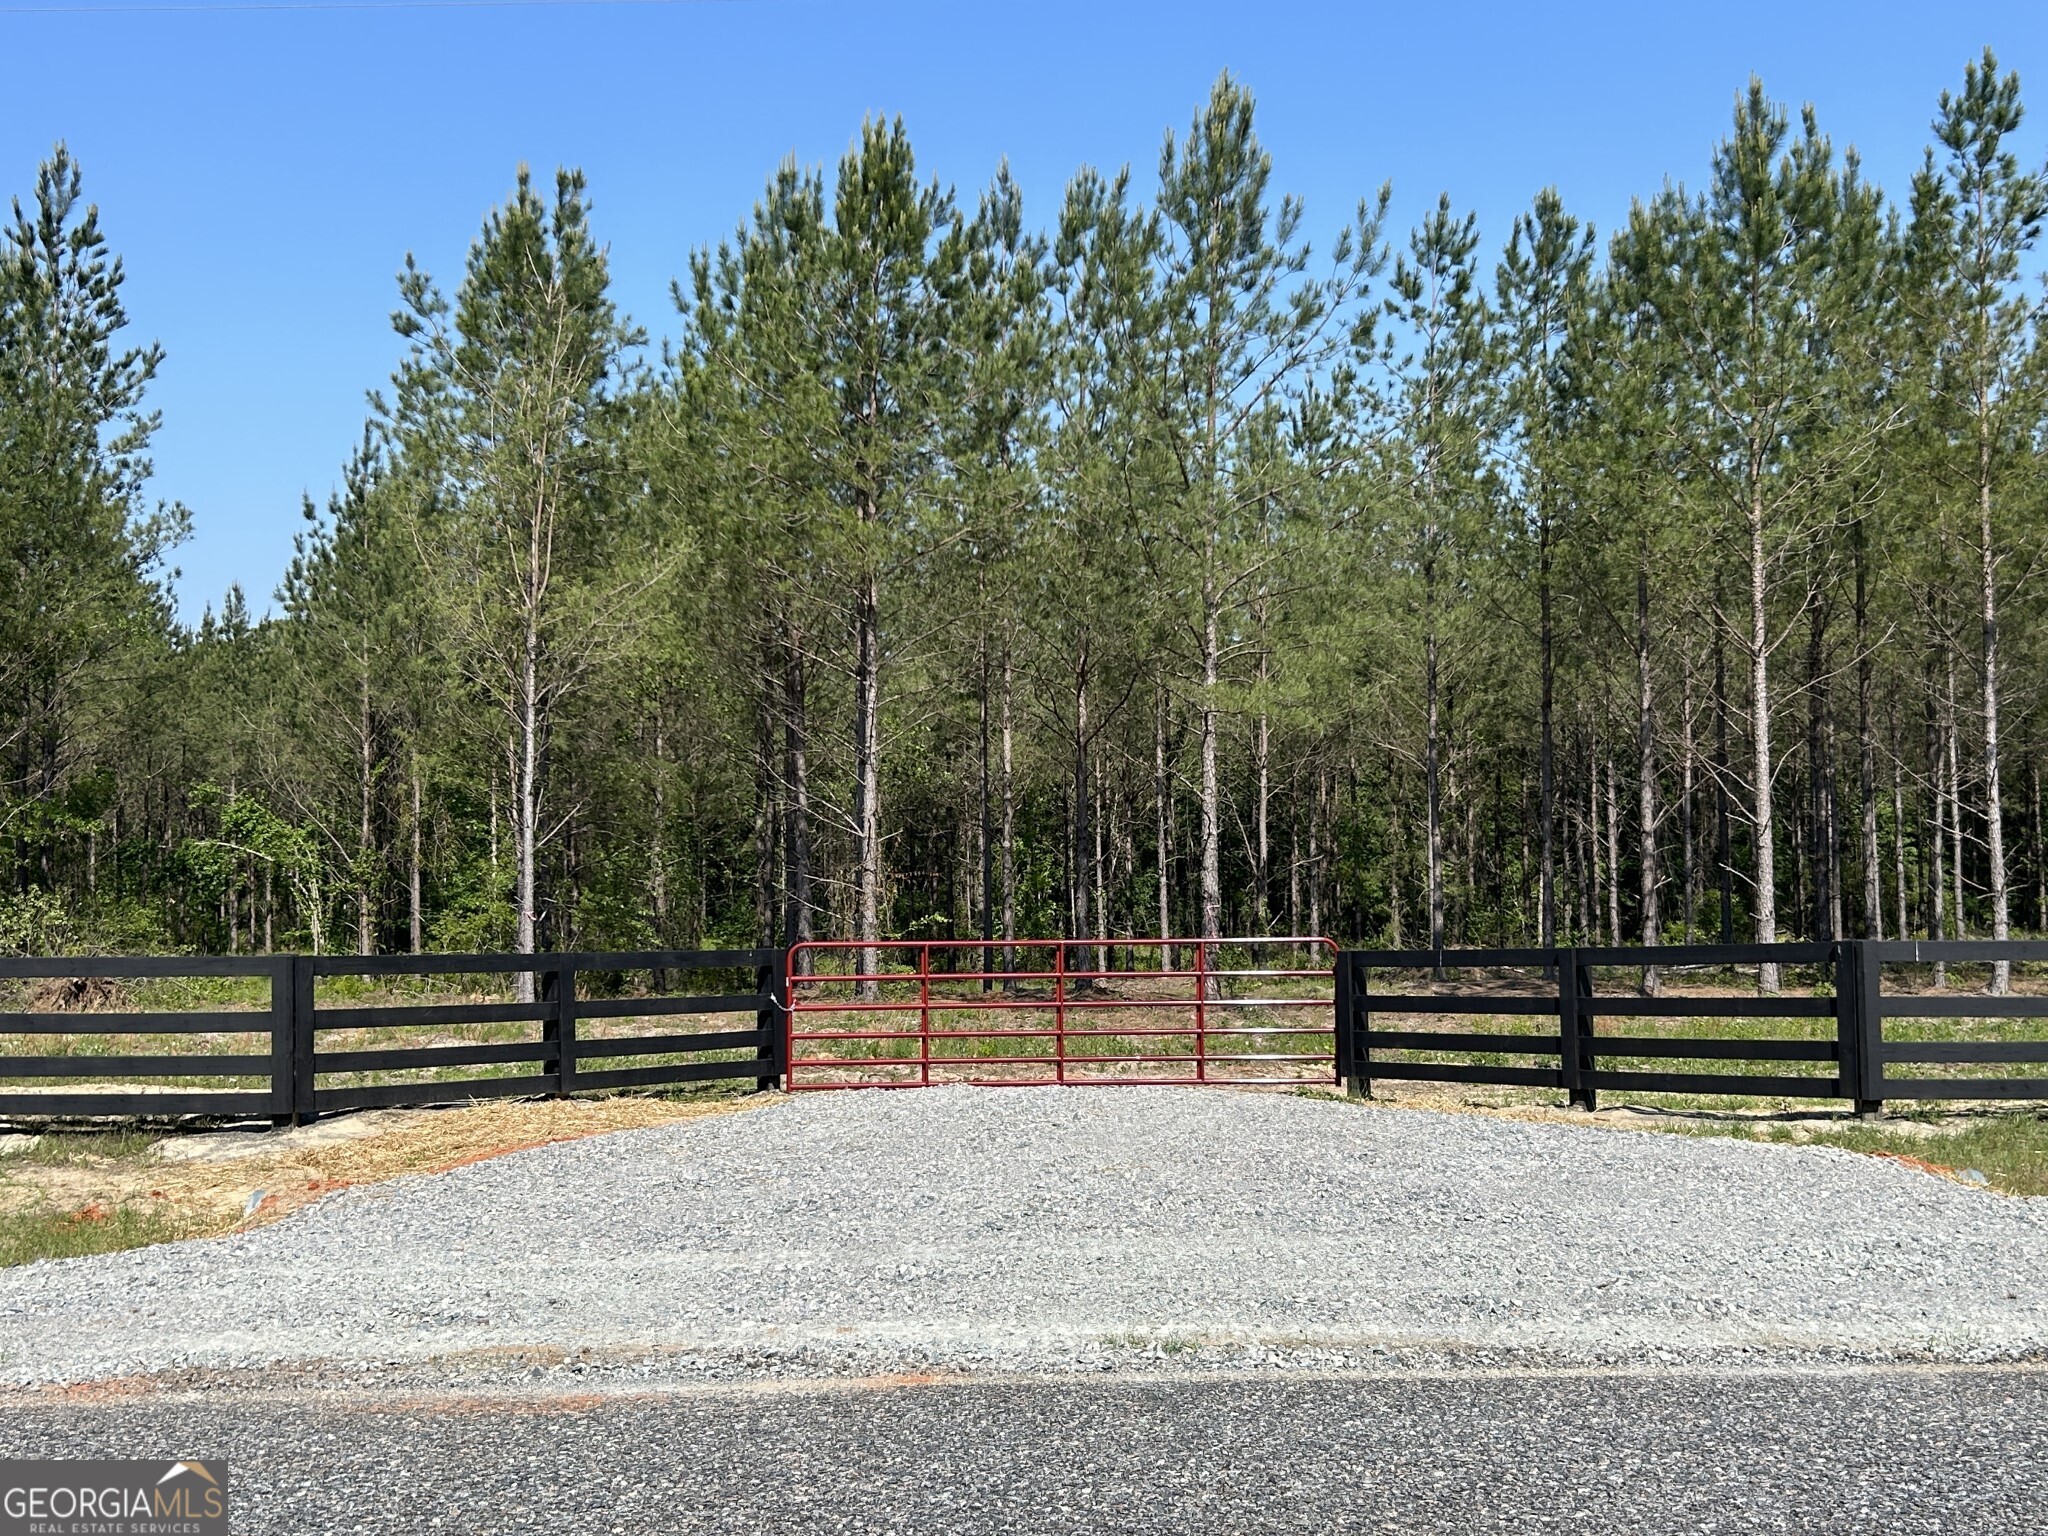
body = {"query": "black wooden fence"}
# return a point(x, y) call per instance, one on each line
point(1845, 983)
point(292, 1060)
point(290, 1067)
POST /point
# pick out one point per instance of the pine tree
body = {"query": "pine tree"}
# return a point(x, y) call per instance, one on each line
point(1443, 405)
point(1976, 230)
point(508, 393)
point(1242, 328)
point(1744, 265)
point(1542, 287)
point(80, 552)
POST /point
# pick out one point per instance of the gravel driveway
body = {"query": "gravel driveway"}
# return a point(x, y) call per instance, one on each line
point(1048, 1229)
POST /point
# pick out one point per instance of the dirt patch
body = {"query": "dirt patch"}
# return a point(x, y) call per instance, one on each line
point(261, 1176)
point(1918, 1164)
point(77, 994)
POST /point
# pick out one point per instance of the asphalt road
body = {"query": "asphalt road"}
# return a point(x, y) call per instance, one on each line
point(1851, 1450)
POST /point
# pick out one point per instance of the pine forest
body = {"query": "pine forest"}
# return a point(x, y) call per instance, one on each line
point(1177, 560)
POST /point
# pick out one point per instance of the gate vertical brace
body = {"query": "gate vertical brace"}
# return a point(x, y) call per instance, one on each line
point(1340, 1020)
point(924, 1015)
point(772, 982)
point(1059, 1013)
point(304, 1109)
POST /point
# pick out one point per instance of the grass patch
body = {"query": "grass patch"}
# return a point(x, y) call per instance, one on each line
point(46, 1211)
point(40, 1232)
point(2011, 1151)
point(62, 1149)
point(2009, 1147)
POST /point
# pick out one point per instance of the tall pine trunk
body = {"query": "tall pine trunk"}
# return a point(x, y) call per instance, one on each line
point(1937, 884)
point(1760, 729)
point(526, 804)
point(1994, 805)
point(366, 790)
point(1724, 853)
point(1432, 783)
point(1262, 877)
point(1951, 727)
point(1161, 793)
point(1081, 863)
point(1009, 834)
point(2040, 864)
point(1820, 840)
point(984, 832)
point(1613, 857)
point(796, 789)
point(767, 814)
point(867, 782)
point(1212, 818)
point(1866, 750)
point(1688, 832)
point(1646, 768)
point(1546, 747)
point(415, 915)
point(1903, 924)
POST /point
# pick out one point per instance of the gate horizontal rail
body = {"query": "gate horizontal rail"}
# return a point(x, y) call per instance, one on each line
point(1084, 1038)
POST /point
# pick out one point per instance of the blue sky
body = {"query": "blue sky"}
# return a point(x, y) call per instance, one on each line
point(263, 173)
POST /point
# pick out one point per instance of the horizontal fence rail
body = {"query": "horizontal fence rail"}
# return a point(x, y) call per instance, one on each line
point(1962, 1012)
point(289, 1054)
point(1383, 1028)
point(290, 1037)
point(67, 1055)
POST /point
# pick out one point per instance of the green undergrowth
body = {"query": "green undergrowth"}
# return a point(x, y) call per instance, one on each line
point(56, 1149)
point(38, 1228)
point(2010, 1150)
point(40, 1232)
point(2008, 1147)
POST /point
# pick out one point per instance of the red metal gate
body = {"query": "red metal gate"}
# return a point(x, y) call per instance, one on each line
point(908, 1014)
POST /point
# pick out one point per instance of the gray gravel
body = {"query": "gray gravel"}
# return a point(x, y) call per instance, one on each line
point(1850, 1451)
point(1018, 1229)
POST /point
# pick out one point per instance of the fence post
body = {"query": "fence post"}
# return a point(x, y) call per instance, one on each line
point(1582, 993)
point(564, 981)
point(1859, 1025)
point(772, 981)
point(1573, 984)
point(1352, 1066)
point(1848, 1020)
point(283, 1039)
point(302, 1040)
point(558, 986)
